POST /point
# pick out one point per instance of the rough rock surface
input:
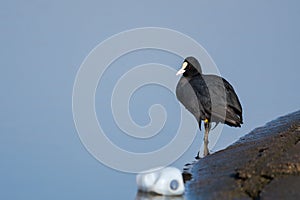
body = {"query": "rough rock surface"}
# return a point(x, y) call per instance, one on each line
point(264, 164)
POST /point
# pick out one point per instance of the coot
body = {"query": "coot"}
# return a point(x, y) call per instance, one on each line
point(209, 98)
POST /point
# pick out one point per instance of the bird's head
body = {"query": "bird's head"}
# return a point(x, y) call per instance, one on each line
point(190, 67)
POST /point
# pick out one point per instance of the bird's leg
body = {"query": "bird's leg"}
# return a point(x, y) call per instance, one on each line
point(198, 154)
point(207, 127)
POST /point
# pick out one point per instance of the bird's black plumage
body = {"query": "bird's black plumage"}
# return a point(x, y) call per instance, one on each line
point(209, 98)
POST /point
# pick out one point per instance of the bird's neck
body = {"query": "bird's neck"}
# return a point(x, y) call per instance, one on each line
point(198, 75)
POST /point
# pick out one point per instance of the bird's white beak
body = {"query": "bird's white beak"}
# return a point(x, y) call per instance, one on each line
point(182, 70)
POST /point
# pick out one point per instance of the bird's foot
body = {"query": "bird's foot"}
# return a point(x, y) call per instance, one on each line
point(198, 156)
point(206, 152)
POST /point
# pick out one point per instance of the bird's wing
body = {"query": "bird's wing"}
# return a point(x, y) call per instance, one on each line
point(202, 96)
point(232, 99)
point(225, 102)
point(188, 97)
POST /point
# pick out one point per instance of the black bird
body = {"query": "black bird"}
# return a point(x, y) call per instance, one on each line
point(209, 98)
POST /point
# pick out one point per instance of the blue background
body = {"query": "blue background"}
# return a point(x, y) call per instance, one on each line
point(255, 45)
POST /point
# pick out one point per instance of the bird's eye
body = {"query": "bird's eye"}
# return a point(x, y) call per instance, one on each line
point(174, 184)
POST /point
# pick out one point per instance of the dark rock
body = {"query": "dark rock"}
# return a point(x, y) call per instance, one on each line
point(264, 164)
